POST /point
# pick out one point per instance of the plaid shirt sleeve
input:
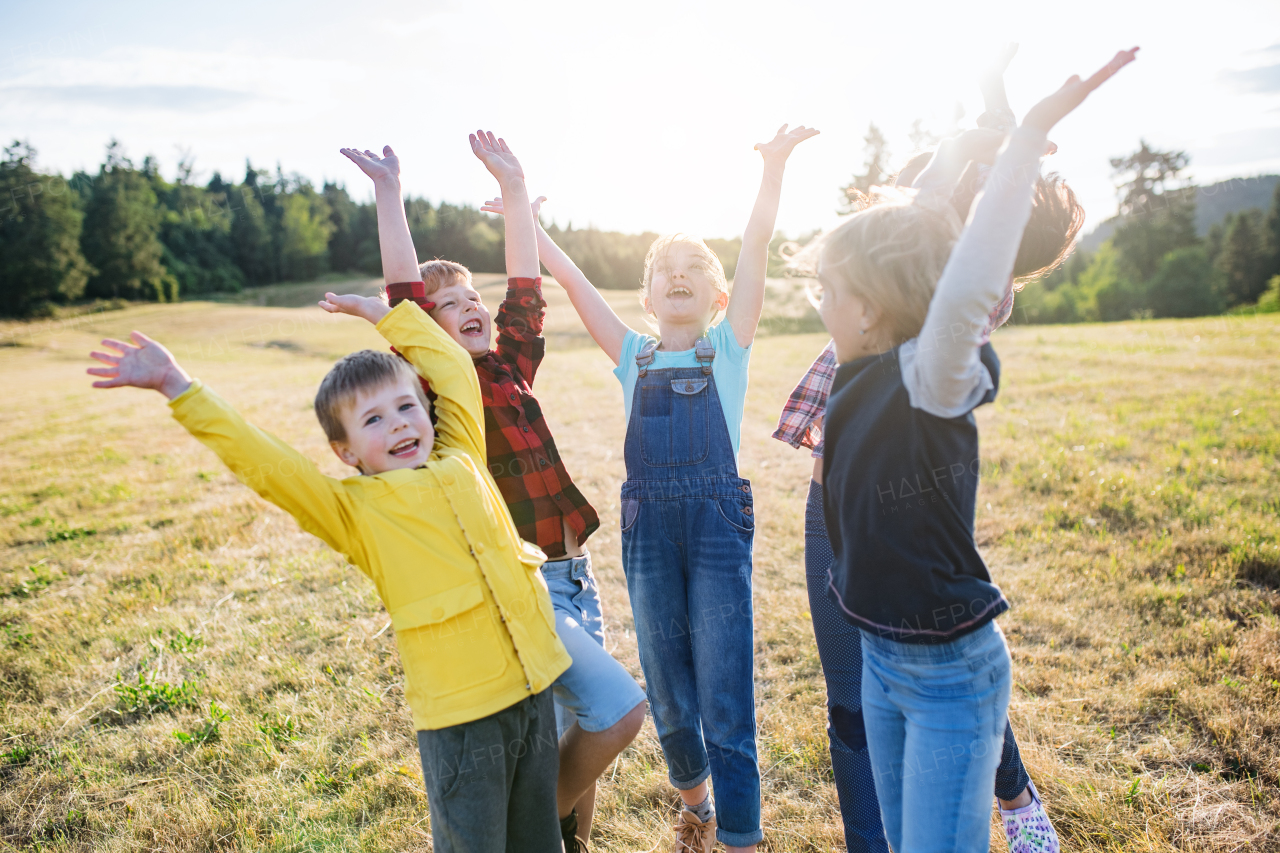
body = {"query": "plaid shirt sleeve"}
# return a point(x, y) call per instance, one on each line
point(520, 316)
point(797, 425)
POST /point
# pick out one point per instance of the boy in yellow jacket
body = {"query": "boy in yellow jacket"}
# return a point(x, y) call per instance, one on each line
point(425, 521)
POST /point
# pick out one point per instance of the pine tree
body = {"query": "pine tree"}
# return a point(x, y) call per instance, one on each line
point(251, 230)
point(1157, 218)
point(1186, 285)
point(1272, 247)
point(121, 234)
point(1147, 172)
point(874, 171)
point(354, 244)
point(40, 258)
point(305, 228)
point(1243, 259)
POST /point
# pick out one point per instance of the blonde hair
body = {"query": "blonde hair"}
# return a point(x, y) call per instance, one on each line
point(439, 273)
point(658, 251)
point(354, 373)
point(890, 256)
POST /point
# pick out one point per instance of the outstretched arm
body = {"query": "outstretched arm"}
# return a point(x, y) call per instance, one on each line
point(947, 379)
point(261, 461)
point(521, 244)
point(604, 326)
point(747, 301)
point(995, 101)
point(997, 121)
point(399, 258)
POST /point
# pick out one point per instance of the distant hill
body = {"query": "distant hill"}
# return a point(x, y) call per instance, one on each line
point(1213, 203)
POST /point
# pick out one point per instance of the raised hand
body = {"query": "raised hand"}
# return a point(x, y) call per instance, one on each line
point(370, 308)
point(1044, 115)
point(992, 81)
point(496, 156)
point(494, 205)
point(386, 167)
point(142, 364)
point(778, 149)
point(980, 144)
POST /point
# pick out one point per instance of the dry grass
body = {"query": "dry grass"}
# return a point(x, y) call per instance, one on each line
point(1131, 477)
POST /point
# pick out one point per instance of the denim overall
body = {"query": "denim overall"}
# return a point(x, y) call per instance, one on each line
point(687, 529)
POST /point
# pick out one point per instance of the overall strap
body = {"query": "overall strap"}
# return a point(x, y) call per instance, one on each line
point(644, 358)
point(705, 353)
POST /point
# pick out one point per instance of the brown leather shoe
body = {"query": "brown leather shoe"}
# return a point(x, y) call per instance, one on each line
point(692, 835)
point(573, 843)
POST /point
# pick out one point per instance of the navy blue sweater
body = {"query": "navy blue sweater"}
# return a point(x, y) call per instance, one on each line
point(899, 489)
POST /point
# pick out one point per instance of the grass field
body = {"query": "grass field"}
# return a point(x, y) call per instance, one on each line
point(182, 669)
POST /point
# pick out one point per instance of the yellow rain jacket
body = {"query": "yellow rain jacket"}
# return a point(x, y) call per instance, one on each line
point(472, 616)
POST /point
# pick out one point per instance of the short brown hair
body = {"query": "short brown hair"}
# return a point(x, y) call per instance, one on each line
point(354, 373)
point(1056, 219)
point(439, 273)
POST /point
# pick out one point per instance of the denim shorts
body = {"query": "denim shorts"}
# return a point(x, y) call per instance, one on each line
point(595, 691)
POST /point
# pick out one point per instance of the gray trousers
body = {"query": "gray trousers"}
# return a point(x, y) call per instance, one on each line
point(491, 783)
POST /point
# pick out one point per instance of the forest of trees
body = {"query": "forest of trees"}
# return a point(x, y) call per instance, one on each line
point(1154, 264)
point(129, 233)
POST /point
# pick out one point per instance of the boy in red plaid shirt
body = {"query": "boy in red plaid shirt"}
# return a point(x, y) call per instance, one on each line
point(599, 706)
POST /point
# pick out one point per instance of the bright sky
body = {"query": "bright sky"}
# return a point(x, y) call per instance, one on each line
point(630, 116)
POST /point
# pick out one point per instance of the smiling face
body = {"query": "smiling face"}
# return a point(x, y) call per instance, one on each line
point(684, 286)
point(461, 312)
point(387, 427)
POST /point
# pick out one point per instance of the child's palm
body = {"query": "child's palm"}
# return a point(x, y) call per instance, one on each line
point(494, 205)
point(386, 166)
point(142, 364)
point(785, 141)
point(496, 155)
point(370, 308)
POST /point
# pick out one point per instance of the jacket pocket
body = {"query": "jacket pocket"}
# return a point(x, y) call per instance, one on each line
point(437, 608)
point(451, 640)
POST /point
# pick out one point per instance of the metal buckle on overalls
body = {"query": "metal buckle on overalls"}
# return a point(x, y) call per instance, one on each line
point(705, 353)
point(644, 358)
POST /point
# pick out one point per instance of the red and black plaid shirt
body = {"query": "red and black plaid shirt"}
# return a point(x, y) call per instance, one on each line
point(522, 453)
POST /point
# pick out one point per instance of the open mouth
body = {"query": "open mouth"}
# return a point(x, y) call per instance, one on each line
point(679, 291)
point(405, 449)
point(471, 327)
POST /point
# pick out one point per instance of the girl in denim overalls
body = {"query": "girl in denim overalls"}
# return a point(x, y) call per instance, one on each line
point(687, 522)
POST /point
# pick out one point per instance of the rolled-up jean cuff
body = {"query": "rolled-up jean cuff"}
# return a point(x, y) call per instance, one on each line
point(739, 839)
point(689, 785)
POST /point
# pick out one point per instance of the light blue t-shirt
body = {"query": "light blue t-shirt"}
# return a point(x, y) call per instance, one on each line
point(729, 369)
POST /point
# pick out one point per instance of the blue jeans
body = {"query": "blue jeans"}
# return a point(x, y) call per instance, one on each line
point(689, 575)
point(840, 650)
point(595, 691)
point(935, 718)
